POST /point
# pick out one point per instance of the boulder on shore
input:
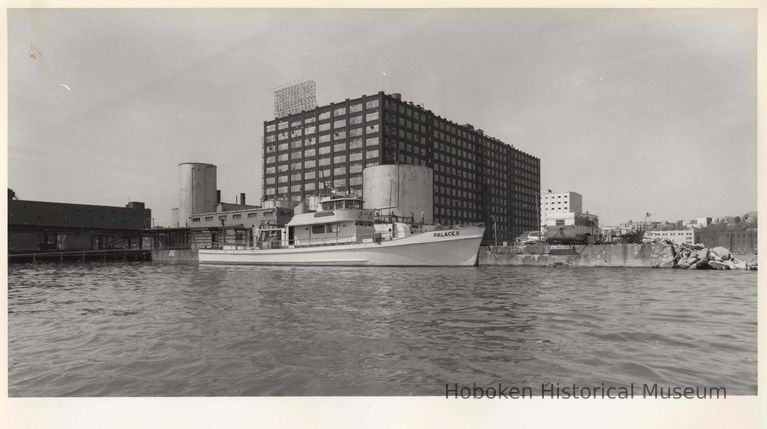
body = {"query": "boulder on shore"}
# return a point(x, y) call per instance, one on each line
point(722, 253)
point(717, 265)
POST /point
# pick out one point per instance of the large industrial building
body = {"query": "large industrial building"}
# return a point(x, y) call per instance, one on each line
point(467, 176)
point(42, 226)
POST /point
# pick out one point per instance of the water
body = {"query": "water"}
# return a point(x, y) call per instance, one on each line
point(144, 329)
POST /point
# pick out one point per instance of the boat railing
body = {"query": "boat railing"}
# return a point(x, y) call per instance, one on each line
point(365, 239)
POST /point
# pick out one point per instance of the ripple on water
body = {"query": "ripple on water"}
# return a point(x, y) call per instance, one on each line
point(164, 330)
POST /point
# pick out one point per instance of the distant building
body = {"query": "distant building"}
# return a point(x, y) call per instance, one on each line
point(39, 226)
point(738, 237)
point(560, 202)
point(678, 236)
point(233, 224)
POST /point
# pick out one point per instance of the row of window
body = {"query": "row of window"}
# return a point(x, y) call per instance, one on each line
point(324, 115)
point(234, 216)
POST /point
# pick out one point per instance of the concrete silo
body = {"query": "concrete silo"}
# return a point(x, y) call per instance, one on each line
point(402, 190)
point(196, 190)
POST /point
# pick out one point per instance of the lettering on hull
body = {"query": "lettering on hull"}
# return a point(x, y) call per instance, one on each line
point(446, 234)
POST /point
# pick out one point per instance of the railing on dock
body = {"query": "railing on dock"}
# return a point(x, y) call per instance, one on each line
point(107, 255)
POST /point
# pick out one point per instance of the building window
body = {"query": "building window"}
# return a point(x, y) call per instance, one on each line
point(371, 104)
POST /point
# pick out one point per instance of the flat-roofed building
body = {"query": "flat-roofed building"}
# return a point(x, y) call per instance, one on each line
point(476, 178)
point(560, 202)
point(40, 226)
point(678, 236)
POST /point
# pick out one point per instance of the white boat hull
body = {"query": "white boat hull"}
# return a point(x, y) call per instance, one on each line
point(448, 247)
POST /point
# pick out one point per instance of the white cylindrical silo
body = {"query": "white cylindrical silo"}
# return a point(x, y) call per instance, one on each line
point(402, 190)
point(196, 190)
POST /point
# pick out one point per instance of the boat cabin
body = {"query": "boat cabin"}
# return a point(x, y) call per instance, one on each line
point(339, 220)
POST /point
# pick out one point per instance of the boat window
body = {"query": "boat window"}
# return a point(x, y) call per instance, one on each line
point(318, 229)
point(339, 204)
point(332, 227)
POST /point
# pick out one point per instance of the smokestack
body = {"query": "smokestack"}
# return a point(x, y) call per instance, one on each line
point(218, 196)
point(242, 198)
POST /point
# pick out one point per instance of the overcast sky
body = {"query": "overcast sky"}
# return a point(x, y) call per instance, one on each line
point(637, 110)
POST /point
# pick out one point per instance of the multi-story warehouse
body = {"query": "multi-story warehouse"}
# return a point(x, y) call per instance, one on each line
point(476, 178)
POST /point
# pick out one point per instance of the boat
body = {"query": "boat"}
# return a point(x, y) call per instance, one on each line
point(341, 232)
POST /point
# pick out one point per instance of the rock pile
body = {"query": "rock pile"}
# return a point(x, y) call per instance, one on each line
point(698, 257)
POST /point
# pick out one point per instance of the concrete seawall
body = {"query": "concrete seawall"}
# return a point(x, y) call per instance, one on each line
point(595, 255)
point(176, 256)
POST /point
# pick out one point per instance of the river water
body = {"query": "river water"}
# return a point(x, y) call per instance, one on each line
point(148, 329)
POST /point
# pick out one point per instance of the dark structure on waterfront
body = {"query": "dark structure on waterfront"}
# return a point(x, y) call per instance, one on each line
point(48, 227)
point(476, 178)
point(739, 236)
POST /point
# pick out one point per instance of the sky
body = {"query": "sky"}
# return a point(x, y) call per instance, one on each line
point(639, 110)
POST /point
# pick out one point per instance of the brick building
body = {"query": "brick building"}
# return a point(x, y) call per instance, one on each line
point(477, 178)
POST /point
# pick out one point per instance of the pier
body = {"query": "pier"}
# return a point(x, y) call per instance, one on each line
point(651, 255)
point(109, 255)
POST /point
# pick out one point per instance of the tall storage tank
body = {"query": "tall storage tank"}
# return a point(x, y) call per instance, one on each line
point(196, 190)
point(407, 189)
